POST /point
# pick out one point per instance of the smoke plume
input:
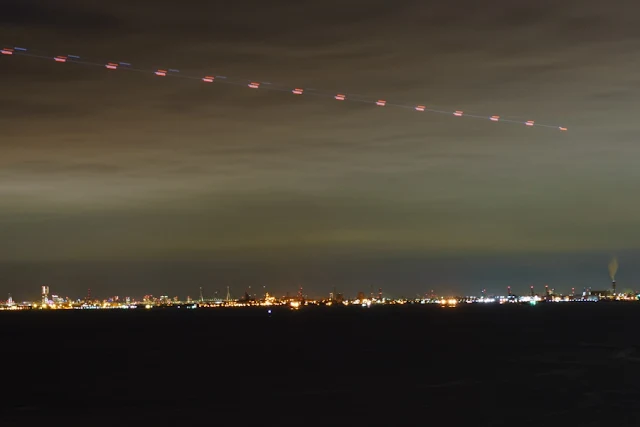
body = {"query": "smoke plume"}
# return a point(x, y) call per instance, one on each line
point(613, 268)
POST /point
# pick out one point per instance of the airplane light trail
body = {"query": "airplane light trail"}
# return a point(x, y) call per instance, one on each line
point(253, 84)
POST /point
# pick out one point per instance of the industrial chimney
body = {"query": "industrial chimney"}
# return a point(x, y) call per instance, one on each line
point(613, 285)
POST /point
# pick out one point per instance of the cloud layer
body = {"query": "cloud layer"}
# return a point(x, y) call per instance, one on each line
point(100, 166)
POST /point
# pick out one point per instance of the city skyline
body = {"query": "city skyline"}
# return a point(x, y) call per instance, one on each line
point(317, 285)
point(257, 296)
point(116, 181)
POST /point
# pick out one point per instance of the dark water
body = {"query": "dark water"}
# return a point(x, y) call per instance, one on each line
point(471, 365)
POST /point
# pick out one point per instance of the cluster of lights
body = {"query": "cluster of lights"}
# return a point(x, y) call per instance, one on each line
point(149, 302)
point(13, 308)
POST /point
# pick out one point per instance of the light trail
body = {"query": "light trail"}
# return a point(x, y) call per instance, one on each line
point(260, 85)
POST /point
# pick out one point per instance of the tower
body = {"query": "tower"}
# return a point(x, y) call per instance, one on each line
point(201, 296)
point(613, 285)
point(532, 291)
point(228, 297)
point(509, 290)
point(45, 295)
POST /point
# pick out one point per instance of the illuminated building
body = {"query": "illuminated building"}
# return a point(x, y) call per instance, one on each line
point(269, 300)
point(601, 294)
point(45, 295)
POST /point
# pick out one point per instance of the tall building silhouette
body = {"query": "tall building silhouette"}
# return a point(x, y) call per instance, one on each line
point(45, 295)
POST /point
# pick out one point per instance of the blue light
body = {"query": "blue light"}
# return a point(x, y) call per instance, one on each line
point(269, 311)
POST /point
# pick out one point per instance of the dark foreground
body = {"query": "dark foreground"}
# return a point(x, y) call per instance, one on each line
point(473, 366)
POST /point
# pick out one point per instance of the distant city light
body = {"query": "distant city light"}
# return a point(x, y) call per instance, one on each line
point(49, 301)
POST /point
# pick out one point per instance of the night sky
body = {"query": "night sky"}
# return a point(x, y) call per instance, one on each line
point(130, 184)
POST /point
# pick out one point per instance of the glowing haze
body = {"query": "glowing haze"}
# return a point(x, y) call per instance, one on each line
point(613, 268)
point(130, 183)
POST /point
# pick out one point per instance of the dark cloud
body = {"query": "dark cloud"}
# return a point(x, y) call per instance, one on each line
point(64, 16)
point(155, 178)
point(18, 108)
